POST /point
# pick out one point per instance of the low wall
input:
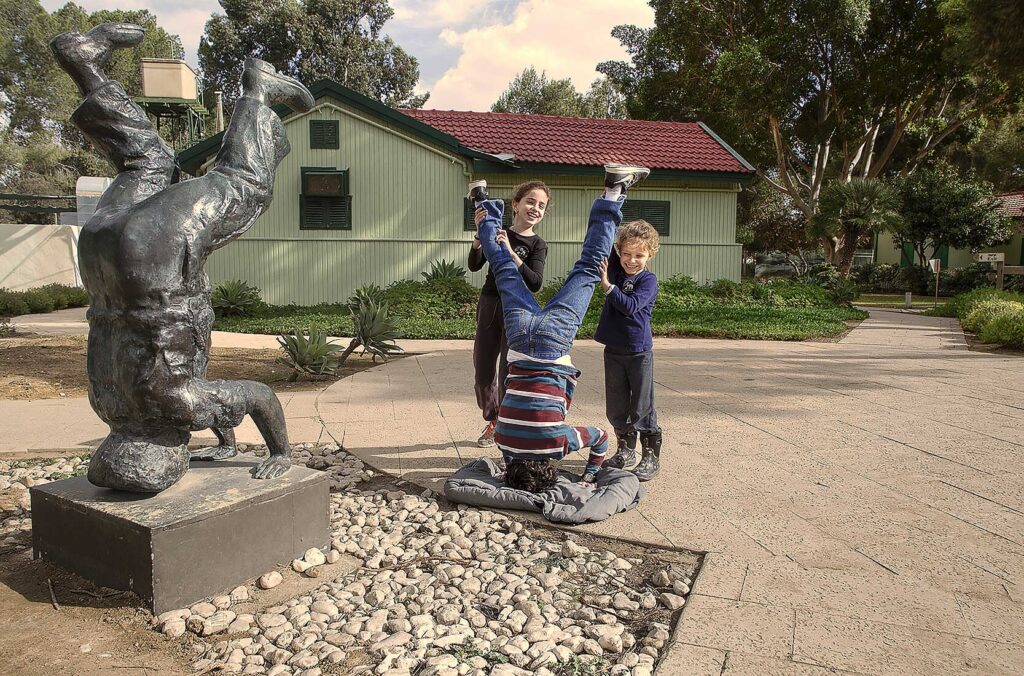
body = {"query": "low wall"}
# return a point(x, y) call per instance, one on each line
point(34, 255)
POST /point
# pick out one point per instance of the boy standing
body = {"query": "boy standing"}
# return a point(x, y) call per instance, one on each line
point(531, 430)
point(625, 329)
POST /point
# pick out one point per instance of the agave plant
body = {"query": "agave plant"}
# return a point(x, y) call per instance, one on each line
point(235, 297)
point(313, 353)
point(375, 331)
point(444, 270)
point(367, 293)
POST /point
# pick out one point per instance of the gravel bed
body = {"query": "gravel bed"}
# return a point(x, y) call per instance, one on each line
point(441, 591)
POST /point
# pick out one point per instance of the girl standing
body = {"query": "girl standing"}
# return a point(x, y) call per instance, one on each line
point(529, 252)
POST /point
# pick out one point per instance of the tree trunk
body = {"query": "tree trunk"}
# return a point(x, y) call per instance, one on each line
point(847, 248)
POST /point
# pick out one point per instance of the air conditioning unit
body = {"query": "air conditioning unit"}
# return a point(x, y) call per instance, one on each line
point(168, 79)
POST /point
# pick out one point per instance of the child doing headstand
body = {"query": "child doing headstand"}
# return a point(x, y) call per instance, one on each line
point(531, 431)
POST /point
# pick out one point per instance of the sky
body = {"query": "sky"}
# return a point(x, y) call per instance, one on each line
point(468, 50)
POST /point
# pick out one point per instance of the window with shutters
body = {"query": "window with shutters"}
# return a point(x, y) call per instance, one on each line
point(325, 203)
point(655, 212)
point(323, 134)
point(467, 215)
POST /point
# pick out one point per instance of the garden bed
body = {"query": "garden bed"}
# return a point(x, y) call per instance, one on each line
point(50, 367)
point(780, 310)
point(411, 583)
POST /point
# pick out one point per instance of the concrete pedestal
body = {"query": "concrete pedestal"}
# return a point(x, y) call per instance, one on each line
point(213, 530)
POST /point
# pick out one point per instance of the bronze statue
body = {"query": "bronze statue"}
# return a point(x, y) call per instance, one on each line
point(142, 255)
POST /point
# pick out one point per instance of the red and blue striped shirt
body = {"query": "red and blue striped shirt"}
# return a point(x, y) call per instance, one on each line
point(531, 418)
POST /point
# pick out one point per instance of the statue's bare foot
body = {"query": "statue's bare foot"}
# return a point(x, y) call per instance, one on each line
point(273, 467)
point(214, 453)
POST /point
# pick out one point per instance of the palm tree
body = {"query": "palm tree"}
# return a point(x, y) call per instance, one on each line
point(849, 211)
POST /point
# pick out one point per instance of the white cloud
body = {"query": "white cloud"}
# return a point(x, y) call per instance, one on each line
point(564, 38)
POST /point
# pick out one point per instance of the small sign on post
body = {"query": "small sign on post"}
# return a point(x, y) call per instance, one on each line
point(998, 261)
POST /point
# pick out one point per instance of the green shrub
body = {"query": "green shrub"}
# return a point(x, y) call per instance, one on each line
point(39, 300)
point(984, 312)
point(236, 298)
point(961, 306)
point(12, 303)
point(444, 269)
point(375, 330)
point(6, 328)
point(725, 289)
point(967, 278)
point(843, 290)
point(313, 353)
point(365, 294)
point(1006, 328)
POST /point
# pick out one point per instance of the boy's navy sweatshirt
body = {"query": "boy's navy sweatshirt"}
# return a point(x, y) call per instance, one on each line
point(625, 325)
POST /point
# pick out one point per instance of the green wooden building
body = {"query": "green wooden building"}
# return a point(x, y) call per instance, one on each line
point(886, 250)
point(374, 194)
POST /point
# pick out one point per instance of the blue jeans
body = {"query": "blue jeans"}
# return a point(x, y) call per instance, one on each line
point(548, 333)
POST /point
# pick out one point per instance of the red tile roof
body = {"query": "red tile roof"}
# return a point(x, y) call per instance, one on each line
point(1013, 204)
point(684, 146)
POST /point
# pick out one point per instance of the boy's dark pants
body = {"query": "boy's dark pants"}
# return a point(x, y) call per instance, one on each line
point(629, 392)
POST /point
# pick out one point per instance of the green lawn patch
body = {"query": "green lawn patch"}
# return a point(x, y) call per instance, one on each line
point(446, 309)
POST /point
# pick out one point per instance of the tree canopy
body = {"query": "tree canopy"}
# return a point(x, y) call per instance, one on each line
point(822, 91)
point(536, 94)
point(941, 207)
point(310, 39)
point(41, 151)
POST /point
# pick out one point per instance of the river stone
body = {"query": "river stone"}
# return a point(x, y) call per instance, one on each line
point(270, 580)
point(671, 601)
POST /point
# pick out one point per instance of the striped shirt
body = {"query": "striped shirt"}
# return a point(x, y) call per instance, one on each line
point(531, 419)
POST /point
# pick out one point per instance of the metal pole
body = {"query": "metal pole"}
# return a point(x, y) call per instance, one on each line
point(218, 105)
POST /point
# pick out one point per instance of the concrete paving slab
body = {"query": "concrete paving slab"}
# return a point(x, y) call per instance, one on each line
point(861, 501)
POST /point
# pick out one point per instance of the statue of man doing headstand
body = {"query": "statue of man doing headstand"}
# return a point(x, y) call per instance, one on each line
point(141, 257)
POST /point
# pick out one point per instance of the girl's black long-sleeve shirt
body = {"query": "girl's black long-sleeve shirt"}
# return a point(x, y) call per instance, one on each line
point(532, 250)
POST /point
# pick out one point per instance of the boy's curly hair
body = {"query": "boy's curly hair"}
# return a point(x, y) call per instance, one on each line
point(638, 231)
point(531, 475)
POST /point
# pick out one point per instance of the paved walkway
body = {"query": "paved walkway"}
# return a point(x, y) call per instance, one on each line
point(862, 502)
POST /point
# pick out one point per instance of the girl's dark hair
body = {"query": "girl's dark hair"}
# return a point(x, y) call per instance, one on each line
point(524, 188)
point(531, 475)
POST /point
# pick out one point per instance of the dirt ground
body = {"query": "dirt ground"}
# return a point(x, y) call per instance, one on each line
point(50, 367)
point(95, 631)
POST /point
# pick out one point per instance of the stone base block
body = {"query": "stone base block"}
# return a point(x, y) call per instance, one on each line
point(210, 532)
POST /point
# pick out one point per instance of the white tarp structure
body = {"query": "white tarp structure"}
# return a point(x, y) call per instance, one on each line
point(34, 255)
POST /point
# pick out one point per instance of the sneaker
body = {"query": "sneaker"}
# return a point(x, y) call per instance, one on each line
point(624, 175)
point(487, 435)
point(477, 192)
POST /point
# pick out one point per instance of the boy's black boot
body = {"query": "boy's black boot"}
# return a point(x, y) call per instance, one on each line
point(477, 192)
point(625, 454)
point(624, 175)
point(650, 464)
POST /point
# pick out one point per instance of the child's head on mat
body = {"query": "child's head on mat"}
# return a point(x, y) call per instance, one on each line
point(531, 475)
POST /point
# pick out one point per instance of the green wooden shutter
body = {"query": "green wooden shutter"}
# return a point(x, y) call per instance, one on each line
point(908, 257)
point(323, 134)
point(314, 213)
point(655, 212)
point(339, 213)
point(467, 215)
point(468, 211)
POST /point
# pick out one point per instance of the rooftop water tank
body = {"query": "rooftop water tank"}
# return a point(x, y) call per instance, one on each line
point(168, 79)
